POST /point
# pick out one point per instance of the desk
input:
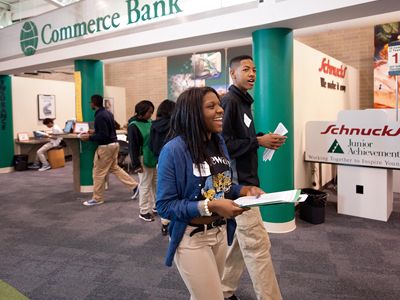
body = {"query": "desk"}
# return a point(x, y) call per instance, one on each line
point(73, 143)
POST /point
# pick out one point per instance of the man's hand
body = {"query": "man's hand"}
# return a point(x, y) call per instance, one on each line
point(138, 170)
point(251, 191)
point(84, 137)
point(271, 140)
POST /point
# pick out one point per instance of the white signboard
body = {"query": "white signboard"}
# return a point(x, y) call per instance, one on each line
point(394, 58)
point(373, 144)
point(93, 18)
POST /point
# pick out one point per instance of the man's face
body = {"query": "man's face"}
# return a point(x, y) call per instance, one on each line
point(244, 75)
point(92, 105)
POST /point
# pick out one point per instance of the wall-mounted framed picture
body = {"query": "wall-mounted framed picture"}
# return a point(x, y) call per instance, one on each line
point(46, 106)
point(23, 137)
point(108, 103)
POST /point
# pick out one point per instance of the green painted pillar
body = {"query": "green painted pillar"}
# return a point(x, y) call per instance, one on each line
point(6, 125)
point(273, 94)
point(91, 73)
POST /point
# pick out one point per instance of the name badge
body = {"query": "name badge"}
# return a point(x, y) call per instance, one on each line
point(247, 120)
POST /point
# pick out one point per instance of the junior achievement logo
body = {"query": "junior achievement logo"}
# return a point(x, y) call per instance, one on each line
point(29, 38)
point(335, 148)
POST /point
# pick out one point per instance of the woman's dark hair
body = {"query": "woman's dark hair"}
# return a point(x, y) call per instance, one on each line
point(143, 107)
point(165, 109)
point(188, 121)
point(48, 121)
point(97, 100)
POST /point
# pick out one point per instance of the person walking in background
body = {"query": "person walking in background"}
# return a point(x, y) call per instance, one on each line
point(158, 137)
point(195, 192)
point(54, 142)
point(106, 155)
point(143, 161)
point(251, 244)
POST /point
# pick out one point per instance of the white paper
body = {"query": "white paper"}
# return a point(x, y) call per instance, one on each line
point(268, 153)
point(290, 196)
point(246, 120)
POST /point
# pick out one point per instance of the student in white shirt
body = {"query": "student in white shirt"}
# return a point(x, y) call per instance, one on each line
point(54, 142)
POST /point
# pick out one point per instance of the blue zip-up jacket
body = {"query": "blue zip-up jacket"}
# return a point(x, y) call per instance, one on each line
point(178, 190)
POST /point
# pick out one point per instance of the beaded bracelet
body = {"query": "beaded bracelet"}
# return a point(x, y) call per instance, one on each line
point(206, 210)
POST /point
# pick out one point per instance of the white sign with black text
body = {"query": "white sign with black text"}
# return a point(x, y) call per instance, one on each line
point(394, 58)
point(360, 138)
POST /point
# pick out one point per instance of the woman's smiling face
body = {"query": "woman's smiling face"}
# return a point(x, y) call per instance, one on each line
point(213, 113)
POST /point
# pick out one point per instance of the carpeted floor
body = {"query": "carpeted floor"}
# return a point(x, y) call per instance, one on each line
point(53, 248)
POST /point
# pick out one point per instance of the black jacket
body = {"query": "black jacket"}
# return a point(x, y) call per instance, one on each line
point(240, 135)
point(135, 140)
point(158, 134)
point(104, 127)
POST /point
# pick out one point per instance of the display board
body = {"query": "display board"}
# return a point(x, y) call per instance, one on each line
point(358, 138)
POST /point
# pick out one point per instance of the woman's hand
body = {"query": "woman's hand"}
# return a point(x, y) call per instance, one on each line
point(251, 191)
point(225, 208)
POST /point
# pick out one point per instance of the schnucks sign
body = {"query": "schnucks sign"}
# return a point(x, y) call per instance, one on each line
point(376, 144)
point(92, 17)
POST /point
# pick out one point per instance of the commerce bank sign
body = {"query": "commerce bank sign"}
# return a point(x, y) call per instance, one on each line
point(136, 12)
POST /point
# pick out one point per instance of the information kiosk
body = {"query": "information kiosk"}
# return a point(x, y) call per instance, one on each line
point(365, 144)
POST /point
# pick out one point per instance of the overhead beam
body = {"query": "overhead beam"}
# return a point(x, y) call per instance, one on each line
point(5, 5)
point(54, 3)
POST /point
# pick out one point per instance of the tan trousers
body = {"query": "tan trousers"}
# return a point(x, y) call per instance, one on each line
point(106, 160)
point(251, 247)
point(41, 154)
point(147, 189)
point(200, 260)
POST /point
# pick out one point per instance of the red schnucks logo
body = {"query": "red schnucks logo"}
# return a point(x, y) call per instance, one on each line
point(385, 131)
point(327, 68)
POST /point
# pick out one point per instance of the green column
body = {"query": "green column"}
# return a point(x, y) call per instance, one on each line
point(273, 94)
point(6, 125)
point(92, 83)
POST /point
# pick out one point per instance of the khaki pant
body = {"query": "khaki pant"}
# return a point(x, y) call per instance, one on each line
point(251, 247)
point(41, 154)
point(147, 189)
point(200, 260)
point(106, 160)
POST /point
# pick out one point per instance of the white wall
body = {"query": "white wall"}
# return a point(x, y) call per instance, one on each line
point(25, 105)
point(315, 103)
point(119, 96)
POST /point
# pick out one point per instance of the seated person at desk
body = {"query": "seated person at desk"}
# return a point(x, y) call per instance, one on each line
point(54, 142)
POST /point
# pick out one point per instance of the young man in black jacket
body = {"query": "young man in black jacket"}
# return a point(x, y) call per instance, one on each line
point(251, 244)
point(106, 155)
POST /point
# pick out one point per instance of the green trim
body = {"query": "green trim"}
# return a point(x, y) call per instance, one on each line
point(273, 94)
point(10, 293)
point(6, 122)
point(148, 156)
point(92, 83)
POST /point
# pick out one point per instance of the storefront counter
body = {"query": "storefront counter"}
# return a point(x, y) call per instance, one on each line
point(73, 148)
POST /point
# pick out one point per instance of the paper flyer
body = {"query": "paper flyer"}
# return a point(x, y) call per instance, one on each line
point(268, 153)
point(290, 196)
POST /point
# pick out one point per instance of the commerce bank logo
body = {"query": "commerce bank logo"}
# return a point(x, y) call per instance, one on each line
point(136, 13)
point(335, 148)
point(29, 38)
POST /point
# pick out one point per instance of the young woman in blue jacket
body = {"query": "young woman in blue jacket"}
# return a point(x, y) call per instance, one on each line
point(195, 191)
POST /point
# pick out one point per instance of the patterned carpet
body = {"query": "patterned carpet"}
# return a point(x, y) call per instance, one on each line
point(52, 247)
